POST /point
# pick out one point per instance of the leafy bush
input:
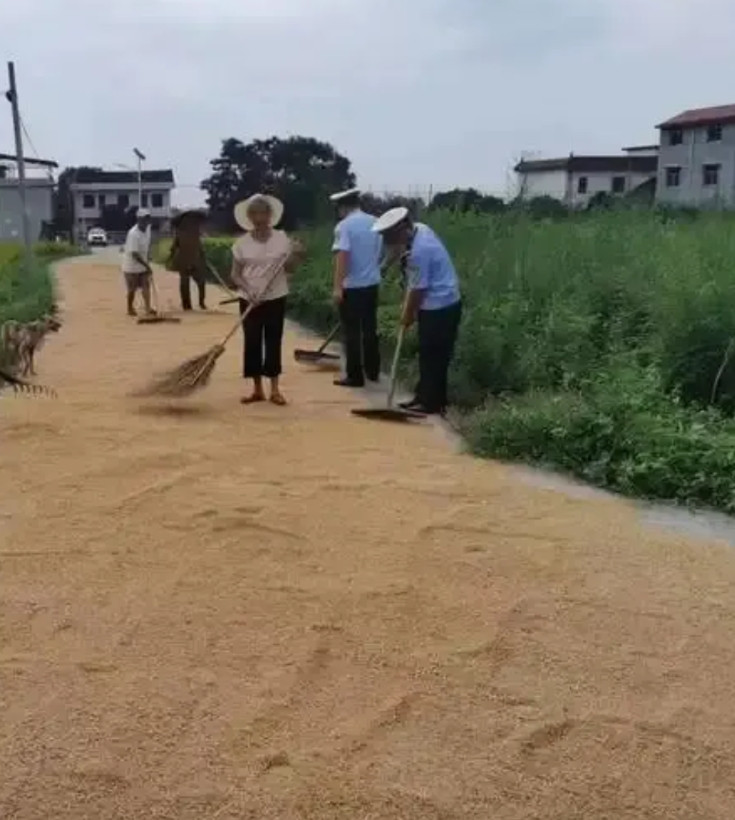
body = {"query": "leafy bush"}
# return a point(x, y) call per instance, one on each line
point(26, 295)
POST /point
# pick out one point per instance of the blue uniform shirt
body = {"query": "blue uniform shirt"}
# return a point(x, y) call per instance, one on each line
point(430, 268)
point(354, 235)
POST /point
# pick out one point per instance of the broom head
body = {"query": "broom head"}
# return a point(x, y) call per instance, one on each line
point(157, 318)
point(190, 376)
point(21, 386)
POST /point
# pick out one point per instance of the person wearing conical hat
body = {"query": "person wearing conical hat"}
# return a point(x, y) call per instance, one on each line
point(262, 260)
point(186, 256)
point(433, 301)
point(357, 252)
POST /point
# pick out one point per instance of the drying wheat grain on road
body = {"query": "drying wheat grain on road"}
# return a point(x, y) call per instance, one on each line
point(217, 611)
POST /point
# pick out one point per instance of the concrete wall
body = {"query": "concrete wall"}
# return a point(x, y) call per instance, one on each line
point(39, 200)
point(691, 157)
point(602, 182)
point(564, 186)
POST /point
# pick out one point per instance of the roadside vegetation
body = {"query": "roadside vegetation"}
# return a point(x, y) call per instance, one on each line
point(601, 344)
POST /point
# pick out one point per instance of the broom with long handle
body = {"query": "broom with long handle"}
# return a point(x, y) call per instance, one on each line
point(194, 374)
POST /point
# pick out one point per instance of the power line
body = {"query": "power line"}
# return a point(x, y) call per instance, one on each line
point(28, 137)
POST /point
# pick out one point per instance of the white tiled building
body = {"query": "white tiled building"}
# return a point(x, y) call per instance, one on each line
point(94, 190)
point(574, 180)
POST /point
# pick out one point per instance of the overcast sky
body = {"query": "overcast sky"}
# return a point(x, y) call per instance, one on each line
point(417, 93)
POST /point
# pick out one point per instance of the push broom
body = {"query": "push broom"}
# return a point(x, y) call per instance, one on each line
point(157, 317)
point(390, 412)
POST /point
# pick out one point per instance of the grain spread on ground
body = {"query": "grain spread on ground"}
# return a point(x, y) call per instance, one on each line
point(210, 611)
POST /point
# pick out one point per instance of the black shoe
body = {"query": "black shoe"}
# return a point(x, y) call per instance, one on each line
point(348, 383)
point(186, 307)
point(374, 379)
point(202, 306)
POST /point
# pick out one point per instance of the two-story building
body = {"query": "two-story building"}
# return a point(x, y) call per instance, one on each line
point(94, 190)
point(697, 158)
point(574, 180)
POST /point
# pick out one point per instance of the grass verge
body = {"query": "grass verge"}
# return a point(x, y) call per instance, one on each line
point(599, 344)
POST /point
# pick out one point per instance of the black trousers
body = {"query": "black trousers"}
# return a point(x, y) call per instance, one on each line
point(185, 278)
point(263, 335)
point(358, 314)
point(437, 330)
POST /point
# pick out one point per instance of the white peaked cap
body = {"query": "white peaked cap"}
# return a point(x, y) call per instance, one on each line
point(390, 219)
point(340, 195)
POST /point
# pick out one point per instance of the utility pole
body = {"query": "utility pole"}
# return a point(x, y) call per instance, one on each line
point(12, 96)
point(140, 157)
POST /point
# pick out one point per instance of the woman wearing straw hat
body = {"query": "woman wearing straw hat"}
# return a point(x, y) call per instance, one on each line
point(186, 256)
point(261, 260)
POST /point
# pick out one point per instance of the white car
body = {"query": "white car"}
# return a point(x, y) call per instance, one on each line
point(97, 237)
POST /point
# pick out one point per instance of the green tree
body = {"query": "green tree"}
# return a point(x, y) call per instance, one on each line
point(466, 199)
point(301, 171)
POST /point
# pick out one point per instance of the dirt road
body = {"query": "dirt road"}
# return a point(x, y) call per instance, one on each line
point(217, 611)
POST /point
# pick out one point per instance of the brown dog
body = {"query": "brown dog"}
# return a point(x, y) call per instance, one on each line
point(10, 339)
point(31, 339)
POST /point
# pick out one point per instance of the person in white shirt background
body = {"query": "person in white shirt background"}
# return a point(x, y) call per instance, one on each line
point(135, 263)
point(261, 262)
point(357, 253)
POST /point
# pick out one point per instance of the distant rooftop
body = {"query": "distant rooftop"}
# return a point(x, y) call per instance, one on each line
point(43, 163)
point(592, 164)
point(91, 176)
point(701, 116)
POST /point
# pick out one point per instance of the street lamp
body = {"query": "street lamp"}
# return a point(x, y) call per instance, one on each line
point(141, 158)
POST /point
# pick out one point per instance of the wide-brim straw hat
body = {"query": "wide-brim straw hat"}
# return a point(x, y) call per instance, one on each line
point(242, 208)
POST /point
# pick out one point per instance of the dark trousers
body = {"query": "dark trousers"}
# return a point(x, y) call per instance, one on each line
point(185, 278)
point(437, 330)
point(359, 317)
point(263, 333)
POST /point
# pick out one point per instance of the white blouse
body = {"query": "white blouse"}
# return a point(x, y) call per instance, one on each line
point(261, 266)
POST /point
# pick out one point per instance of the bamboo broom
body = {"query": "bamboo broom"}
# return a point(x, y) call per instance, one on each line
point(195, 373)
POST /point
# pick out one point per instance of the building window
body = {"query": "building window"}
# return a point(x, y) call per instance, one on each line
point(673, 177)
point(144, 200)
point(123, 200)
point(157, 200)
point(101, 200)
point(710, 175)
point(88, 201)
point(714, 133)
point(618, 185)
point(582, 185)
point(676, 136)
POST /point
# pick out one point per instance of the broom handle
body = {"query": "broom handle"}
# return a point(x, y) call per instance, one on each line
point(252, 304)
point(397, 356)
point(220, 281)
point(394, 366)
point(332, 333)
